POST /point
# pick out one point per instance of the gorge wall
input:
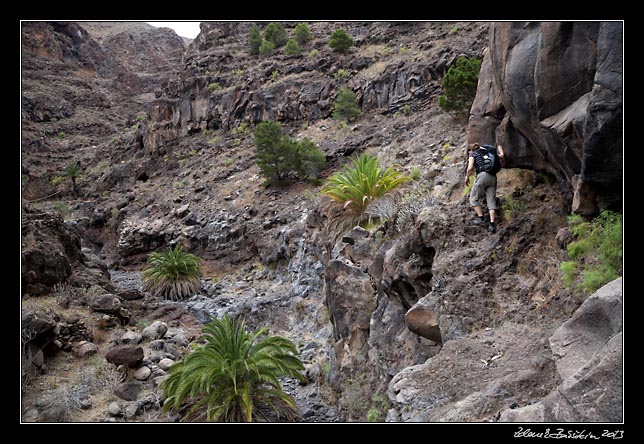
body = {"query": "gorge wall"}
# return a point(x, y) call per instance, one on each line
point(429, 320)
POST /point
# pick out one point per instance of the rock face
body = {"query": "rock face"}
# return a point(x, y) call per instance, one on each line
point(51, 254)
point(588, 354)
point(551, 93)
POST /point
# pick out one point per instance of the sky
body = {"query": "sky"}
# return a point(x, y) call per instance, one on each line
point(183, 29)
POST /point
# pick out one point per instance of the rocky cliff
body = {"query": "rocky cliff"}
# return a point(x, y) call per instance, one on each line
point(552, 94)
point(427, 319)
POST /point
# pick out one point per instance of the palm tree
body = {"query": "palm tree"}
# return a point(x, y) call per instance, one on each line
point(233, 376)
point(172, 274)
point(355, 188)
point(72, 172)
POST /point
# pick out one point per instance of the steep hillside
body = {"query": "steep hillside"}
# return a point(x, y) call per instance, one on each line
point(427, 320)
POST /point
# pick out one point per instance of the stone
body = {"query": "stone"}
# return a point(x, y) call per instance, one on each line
point(131, 409)
point(84, 349)
point(130, 294)
point(128, 391)
point(142, 373)
point(125, 355)
point(593, 394)
point(422, 321)
point(131, 337)
point(114, 409)
point(85, 403)
point(597, 320)
point(106, 303)
point(157, 344)
point(165, 363)
point(158, 380)
point(156, 330)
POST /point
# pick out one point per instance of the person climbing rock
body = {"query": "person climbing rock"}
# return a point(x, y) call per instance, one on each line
point(486, 161)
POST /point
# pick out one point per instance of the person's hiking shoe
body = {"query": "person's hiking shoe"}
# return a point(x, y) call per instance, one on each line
point(492, 228)
point(478, 220)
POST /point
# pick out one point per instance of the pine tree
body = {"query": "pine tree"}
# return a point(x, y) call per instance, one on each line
point(302, 34)
point(292, 48)
point(460, 85)
point(272, 154)
point(340, 41)
point(276, 34)
point(345, 105)
point(254, 40)
point(266, 48)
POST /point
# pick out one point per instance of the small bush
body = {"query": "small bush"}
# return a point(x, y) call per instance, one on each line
point(415, 174)
point(314, 53)
point(512, 207)
point(596, 251)
point(340, 41)
point(345, 105)
point(214, 86)
point(373, 415)
point(340, 74)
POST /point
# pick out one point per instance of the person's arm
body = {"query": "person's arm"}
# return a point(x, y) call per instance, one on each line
point(470, 170)
point(499, 151)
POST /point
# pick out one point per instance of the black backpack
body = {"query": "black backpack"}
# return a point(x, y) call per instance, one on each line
point(491, 163)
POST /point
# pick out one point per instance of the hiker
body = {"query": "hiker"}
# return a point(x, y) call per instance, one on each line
point(479, 160)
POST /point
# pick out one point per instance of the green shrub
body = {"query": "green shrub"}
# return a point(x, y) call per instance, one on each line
point(415, 174)
point(345, 105)
point(340, 74)
point(512, 207)
point(459, 85)
point(278, 156)
point(340, 41)
point(357, 186)
point(302, 34)
point(309, 160)
point(254, 40)
point(172, 274)
point(61, 135)
point(596, 251)
point(569, 272)
point(266, 48)
point(276, 34)
point(292, 48)
point(314, 53)
point(233, 377)
point(373, 415)
point(214, 86)
point(62, 208)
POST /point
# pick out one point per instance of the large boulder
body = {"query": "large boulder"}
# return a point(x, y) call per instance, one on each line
point(589, 358)
point(125, 355)
point(551, 93)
